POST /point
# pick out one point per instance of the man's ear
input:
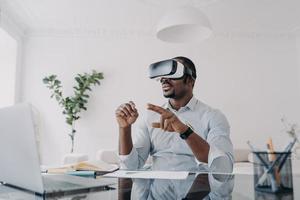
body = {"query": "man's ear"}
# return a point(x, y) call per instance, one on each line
point(191, 81)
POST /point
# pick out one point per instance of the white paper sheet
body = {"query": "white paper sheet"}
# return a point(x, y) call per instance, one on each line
point(149, 174)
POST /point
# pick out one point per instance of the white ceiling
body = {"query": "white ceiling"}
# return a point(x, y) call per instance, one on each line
point(96, 17)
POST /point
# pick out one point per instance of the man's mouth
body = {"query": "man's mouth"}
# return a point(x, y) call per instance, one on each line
point(166, 86)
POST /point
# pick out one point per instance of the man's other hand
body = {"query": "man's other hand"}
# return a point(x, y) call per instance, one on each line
point(126, 114)
point(168, 120)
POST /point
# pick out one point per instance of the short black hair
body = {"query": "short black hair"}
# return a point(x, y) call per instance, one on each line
point(187, 63)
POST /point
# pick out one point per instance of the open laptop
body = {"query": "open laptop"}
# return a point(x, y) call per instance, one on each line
point(19, 161)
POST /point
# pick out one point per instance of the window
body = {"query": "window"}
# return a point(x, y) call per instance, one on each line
point(8, 62)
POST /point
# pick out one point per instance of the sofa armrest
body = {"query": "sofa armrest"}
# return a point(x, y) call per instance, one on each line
point(112, 157)
point(241, 155)
point(108, 156)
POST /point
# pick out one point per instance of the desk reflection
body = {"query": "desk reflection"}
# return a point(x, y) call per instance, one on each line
point(202, 186)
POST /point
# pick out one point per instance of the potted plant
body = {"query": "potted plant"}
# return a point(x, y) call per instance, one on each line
point(73, 105)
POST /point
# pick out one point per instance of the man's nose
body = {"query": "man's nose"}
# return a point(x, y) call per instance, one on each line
point(164, 80)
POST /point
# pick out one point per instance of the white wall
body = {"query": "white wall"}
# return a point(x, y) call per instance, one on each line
point(253, 80)
point(298, 56)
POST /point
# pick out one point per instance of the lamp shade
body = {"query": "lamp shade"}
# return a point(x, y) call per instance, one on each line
point(184, 24)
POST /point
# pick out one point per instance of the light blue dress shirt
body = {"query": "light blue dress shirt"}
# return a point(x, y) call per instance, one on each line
point(170, 152)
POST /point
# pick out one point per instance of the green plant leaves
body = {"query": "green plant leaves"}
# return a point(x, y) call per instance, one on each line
point(73, 105)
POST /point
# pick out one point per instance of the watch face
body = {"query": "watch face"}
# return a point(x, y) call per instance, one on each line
point(183, 136)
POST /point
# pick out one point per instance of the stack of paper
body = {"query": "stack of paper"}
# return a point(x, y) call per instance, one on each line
point(149, 174)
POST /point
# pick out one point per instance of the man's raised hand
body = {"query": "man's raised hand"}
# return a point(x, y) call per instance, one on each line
point(168, 120)
point(126, 114)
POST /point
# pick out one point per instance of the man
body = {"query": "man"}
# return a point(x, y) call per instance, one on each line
point(183, 134)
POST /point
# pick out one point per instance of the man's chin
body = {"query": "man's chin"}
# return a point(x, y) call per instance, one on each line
point(169, 95)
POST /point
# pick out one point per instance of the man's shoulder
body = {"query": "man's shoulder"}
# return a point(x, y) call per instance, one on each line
point(209, 111)
point(205, 108)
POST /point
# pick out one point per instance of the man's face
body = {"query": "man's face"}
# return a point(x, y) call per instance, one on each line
point(174, 88)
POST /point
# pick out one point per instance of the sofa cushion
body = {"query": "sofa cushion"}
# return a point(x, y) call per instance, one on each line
point(241, 155)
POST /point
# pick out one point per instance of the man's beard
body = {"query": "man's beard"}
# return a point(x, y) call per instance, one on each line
point(175, 95)
point(171, 95)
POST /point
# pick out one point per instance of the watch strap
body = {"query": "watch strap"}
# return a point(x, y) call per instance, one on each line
point(186, 133)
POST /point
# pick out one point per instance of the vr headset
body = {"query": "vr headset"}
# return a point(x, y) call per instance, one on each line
point(168, 69)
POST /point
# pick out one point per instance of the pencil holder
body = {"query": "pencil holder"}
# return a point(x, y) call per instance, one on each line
point(273, 172)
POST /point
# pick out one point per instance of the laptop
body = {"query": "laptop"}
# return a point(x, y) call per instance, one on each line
point(19, 161)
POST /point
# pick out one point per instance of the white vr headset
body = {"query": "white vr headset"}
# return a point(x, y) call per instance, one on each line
point(170, 69)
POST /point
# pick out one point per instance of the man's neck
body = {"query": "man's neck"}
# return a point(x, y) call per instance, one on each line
point(178, 103)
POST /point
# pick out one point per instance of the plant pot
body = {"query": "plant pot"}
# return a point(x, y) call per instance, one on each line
point(72, 158)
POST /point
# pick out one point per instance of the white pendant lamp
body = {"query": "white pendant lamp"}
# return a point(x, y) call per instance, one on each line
point(183, 25)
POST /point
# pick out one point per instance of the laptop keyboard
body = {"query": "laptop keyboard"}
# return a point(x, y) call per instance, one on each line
point(54, 184)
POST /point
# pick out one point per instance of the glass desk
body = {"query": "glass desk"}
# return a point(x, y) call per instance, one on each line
point(202, 186)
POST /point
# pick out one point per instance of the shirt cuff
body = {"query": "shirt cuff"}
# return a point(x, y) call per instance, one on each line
point(219, 161)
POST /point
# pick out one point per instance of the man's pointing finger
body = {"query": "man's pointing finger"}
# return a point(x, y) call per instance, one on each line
point(156, 109)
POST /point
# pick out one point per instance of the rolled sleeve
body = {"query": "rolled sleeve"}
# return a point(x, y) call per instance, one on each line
point(220, 157)
point(219, 161)
point(140, 150)
point(129, 161)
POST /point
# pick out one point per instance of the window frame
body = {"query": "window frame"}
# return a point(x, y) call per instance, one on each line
point(17, 33)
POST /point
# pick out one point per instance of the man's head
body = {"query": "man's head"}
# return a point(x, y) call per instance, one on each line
point(176, 88)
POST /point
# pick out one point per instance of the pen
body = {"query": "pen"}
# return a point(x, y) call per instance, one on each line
point(251, 146)
point(258, 156)
point(82, 173)
point(290, 146)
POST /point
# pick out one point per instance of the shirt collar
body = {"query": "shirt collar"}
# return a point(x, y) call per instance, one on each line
point(190, 105)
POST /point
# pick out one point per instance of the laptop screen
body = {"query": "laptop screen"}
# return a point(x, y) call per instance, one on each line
point(18, 151)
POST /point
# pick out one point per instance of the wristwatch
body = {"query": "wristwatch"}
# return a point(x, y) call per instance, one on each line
point(186, 133)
